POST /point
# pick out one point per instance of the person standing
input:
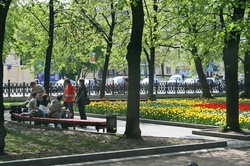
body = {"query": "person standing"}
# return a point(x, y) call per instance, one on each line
point(39, 89)
point(81, 94)
point(69, 97)
point(96, 86)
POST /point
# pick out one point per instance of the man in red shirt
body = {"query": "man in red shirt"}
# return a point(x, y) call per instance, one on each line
point(69, 97)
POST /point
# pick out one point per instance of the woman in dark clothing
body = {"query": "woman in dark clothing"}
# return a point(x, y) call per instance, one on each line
point(81, 94)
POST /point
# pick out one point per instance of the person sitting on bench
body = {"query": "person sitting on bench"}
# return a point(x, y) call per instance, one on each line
point(44, 106)
point(55, 110)
point(33, 102)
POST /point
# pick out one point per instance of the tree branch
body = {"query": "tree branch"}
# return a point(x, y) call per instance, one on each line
point(169, 46)
point(222, 19)
point(59, 24)
point(147, 55)
point(40, 22)
point(106, 19)
point(241, 60)
point(95, 24)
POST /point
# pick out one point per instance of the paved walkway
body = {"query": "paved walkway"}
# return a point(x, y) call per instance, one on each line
point(236, 154)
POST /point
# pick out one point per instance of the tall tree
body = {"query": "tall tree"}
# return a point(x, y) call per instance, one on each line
point(247, 71)
point(50, 46)
point(150, 41)
point(106, 34)
point(247, 74)
point(108, 49)
point(4, 7)
point(245, 46)
point(133, 57)
point(232, 31)
point(196, 35)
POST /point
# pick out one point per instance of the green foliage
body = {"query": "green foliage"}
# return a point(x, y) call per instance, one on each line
point(223, 126)
point(242, 95)
point(172, 29)
point(119, 135)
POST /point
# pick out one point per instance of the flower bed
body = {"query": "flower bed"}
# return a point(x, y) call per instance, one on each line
point(196, 111)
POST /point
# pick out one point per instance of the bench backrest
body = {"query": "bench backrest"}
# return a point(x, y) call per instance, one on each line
point(60, 120)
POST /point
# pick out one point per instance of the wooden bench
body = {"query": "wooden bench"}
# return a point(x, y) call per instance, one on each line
point(100, 124)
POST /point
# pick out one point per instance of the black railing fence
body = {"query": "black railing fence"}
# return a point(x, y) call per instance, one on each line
point(24, 89)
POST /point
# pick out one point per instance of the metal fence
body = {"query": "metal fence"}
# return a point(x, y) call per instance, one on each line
point(24, 89)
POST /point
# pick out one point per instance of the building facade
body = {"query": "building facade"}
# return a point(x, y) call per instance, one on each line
point(15, 72)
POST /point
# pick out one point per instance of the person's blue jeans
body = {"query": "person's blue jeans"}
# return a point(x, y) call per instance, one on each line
point(69, 106)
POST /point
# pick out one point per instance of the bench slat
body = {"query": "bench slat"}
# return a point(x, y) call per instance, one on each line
point(98, 124)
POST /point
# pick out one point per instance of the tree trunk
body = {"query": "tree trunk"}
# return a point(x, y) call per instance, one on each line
point(133, 57)
point(202, 78)
point(108, 52)
point(104, 74)
point(162, 70)
point(247, 67)
point(50, 47)
point(204, 85)
point(247, 74)
point(151, 60)
point(4, 7)
point(151, 67)
point(230, 58)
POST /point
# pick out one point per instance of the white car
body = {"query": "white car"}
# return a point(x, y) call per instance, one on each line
point(61, 82)
point(90, 82)
point(176, 79)
point(146, 80)
point(189, 81)
point(211, 80)
point(118, 80)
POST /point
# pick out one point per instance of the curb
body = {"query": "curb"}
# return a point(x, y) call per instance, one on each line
point(212, 133)
point(115, 154)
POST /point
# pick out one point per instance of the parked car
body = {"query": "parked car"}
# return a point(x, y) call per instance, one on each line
point(93, 85)
point(190, 81)
point(59, 85)
point(61, 81)
point(116, 80)
point(175, 79)
point(90, 82)
point(146, 80)
point(120, 84)
point(119, 79)
point(211, 80)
